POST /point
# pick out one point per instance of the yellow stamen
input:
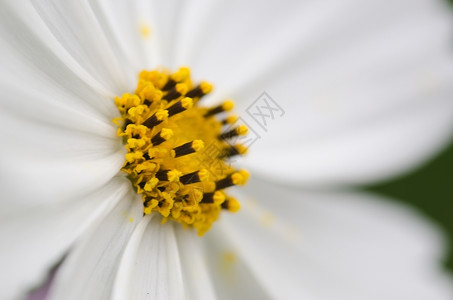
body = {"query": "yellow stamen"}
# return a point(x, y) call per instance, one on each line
point(182, 88)
point(187, 103)
point(177, 151)
point(182, 74)
point(198, 145)
point(205, 87)
point(242, 130)
point(232, 204)
point(174, 175)
point(162, 114)
point(228, 105)
point(166, 133)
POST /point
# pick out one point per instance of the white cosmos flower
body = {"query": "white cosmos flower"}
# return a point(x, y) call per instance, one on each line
point(366, 86)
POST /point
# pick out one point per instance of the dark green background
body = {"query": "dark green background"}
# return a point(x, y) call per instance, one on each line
point(430, 189)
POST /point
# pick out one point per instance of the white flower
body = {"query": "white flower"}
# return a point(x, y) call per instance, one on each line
point(366, 86)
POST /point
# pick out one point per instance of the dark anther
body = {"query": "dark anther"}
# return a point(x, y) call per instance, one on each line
point(172, 94)
point(190, 178)
point(169, 85)
point(224, 183)
point(184, 149)
point(152, 121)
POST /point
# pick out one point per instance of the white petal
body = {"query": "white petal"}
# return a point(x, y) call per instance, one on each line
point(150, 267)
point(365, 86)
point(130, 28)
point(55, 118)
point(90, 268)
point(197, 281)
point(50, 164)
point(76, 28)
point(35, 238)
point(167, 19)
point(230, 273)
point(337, 246)
point(30, 50)
point(54, 146)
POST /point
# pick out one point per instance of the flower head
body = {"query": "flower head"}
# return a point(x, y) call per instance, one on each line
point(356, 81)
point(165, 132)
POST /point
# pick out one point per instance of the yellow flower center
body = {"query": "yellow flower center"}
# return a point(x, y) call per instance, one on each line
point(178, 151)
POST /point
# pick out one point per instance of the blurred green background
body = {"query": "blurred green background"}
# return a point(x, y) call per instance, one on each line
point(430, 189)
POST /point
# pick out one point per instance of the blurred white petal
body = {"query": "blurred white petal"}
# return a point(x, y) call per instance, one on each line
point(37, 54)
point(55, 119)
point(90, 268)
point(197, 280)
point(336, 246)
point(45, 164)
point(365, 85)
point(34, 238)
point(129, 27)
point(75, 26)
point(150, 267)
point(230, 273)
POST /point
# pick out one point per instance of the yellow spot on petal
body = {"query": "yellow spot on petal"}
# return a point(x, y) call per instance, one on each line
point(131, 220)
point(229, 257)
point(292, 234)
point(145, 30)
point(267, 219)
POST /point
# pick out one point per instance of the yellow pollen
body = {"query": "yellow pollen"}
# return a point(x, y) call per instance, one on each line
point(166, 133)
point(242, 130)
point(182, 88)
point(219, 197)
point(206, 87)
point(178, 150)
point(187, 103)
point(146, 166)
point(231, 119)
point(241, 149)
point(182, 74)
point(233, 204)
point(135, 143)
point(204, 175)
point(228, 105)
point(174, 175)
point(198, 145)
point(151, 184)
point(245, 175)
point(162, 114)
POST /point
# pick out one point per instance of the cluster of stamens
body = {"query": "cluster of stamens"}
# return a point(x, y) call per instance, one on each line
point(178, 151)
